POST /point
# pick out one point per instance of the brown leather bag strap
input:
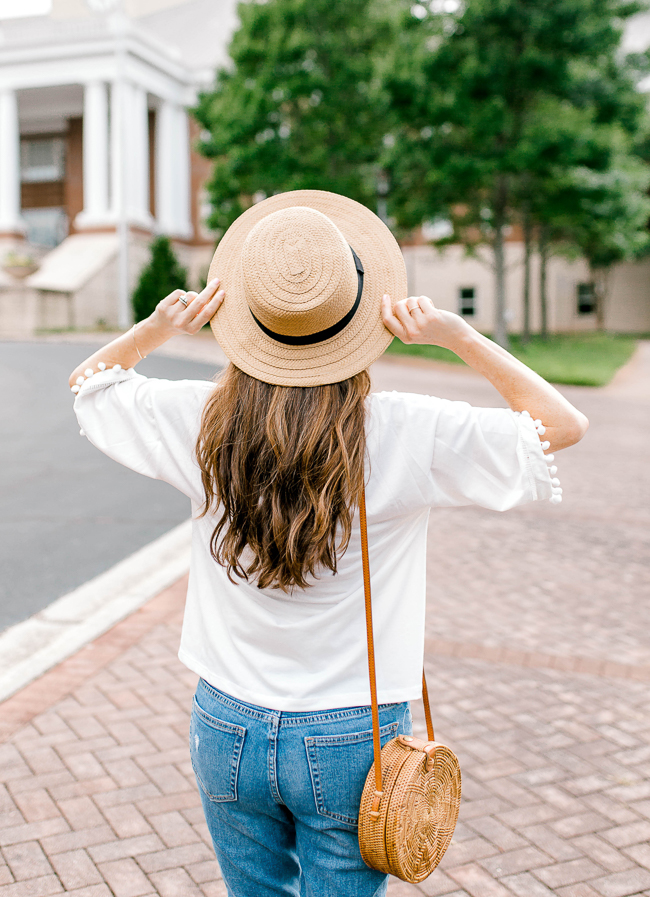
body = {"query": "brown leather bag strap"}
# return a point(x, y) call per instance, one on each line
point(431, 735)
point(371, 660)
point(371, 649)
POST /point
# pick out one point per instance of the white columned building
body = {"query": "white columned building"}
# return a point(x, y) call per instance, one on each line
point(115, 78)
point(95, 151)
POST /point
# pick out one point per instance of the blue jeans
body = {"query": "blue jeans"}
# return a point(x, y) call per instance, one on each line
point(281, 793)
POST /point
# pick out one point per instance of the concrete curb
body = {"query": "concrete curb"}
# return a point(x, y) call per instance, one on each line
point(30, 648)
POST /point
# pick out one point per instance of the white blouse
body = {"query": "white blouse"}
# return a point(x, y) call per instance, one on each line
point(307, 650)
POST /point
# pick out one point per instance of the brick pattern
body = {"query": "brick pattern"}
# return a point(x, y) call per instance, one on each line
point(97, 795)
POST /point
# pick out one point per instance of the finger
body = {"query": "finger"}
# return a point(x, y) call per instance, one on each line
point(426, 305)
point(204, 299)
point(171, 299)
point(188, 297)
point(389, 319)
point(208, 311)
point(209, 290)
point(210, 305)
point(415, 311)
point(404, 316)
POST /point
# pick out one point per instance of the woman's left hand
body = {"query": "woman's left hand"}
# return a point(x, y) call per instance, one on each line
point(174, 316)
point(170, 317)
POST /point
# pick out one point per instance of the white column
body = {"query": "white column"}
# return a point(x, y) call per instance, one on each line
point(165, 168)
point(10, 221)
point(172, 171)
point(117, 138)
point(130, 153)
point(183, 213)
point(95, 157)
point(139, 157)
point(118, 198)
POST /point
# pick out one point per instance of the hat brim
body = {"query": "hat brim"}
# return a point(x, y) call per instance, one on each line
point(352, 350)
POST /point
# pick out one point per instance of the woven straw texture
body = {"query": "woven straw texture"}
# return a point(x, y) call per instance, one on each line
point(288, 261)
point(417, 814)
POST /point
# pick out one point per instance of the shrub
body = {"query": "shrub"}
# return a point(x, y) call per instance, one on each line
point(158, 278)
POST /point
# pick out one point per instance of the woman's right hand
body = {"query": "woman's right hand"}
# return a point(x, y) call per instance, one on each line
point(417, 320)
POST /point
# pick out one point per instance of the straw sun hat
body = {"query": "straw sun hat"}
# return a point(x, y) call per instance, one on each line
point(304, 274)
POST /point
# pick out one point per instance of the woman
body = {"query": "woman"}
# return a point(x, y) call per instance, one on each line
point(274, 458)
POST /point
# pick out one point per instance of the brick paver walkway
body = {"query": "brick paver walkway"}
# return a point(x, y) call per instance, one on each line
point(538, 660)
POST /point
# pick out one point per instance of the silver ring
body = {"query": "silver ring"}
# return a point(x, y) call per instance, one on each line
point(183, 300)
point(411, 308)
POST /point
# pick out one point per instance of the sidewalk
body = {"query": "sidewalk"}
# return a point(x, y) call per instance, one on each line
point(538, 666)
point(99, 796)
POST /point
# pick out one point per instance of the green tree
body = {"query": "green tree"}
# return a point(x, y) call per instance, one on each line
point(599, 215)
point(161, 276)
point(598, 207)
point(567, 156)
point(301, 105)
point(485, 85)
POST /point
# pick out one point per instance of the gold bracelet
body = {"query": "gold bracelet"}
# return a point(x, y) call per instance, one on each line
point(142, 357)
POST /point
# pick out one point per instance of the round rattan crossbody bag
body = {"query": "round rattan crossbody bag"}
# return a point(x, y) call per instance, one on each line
point(410, 801)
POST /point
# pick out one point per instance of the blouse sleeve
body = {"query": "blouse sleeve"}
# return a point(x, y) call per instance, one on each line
point(492, 457)
point(146, 424)
point(460, 454)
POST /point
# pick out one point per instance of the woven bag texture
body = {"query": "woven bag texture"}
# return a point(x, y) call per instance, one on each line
point(417, 814)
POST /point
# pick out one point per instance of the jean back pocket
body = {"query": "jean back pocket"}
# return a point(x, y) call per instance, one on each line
point(339, 766)
point(215, 750)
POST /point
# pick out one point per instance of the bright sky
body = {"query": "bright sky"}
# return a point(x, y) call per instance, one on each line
point(13, 9)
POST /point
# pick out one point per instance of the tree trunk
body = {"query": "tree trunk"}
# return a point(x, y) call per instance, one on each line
point(500, 324)
point(600, 278)
point(528, 246)
point(543, 260)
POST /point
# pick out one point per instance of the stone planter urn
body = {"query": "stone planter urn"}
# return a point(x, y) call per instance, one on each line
point(19, 266)
point(20, 271)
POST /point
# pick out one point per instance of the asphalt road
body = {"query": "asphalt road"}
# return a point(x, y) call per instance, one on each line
point(67, 512)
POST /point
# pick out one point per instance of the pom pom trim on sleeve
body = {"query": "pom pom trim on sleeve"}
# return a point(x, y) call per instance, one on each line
point(556, 488)
point(110, 376)
point(117, 371)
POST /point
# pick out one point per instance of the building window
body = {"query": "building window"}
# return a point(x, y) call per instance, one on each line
point(46, 227)
point(586, 298)
point(467, 301)
point(42, 160)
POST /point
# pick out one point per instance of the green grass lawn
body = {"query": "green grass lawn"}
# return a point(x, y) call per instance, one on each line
point(582, 359)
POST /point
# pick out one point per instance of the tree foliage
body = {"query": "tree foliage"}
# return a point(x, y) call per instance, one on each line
point(161, 276)
point(516, 97)
point(587, 194)
point(486, 113)
point(300, 106)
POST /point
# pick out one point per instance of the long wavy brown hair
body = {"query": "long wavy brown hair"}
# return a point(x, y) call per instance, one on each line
point(282, 469)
